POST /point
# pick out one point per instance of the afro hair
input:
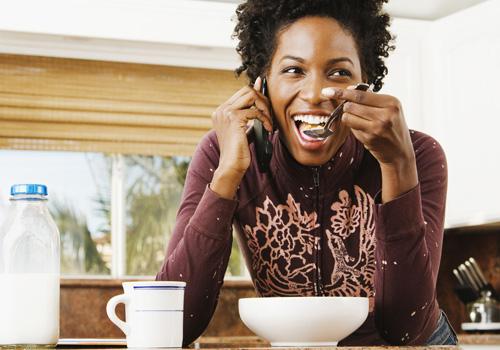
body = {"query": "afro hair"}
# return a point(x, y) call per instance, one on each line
point(259, 22)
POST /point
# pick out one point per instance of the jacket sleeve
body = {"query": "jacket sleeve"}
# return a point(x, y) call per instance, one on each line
point(409, 233)
point(199, 249)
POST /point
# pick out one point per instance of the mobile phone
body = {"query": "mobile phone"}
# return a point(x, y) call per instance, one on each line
point(263, 145)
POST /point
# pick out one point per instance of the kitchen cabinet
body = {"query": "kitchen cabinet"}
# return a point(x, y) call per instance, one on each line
point(462, 109)
point(447, 75)
point(404, 79)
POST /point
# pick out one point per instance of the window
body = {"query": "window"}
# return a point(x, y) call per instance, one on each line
point(112, 142)
point(87, 192)
point(78, 184)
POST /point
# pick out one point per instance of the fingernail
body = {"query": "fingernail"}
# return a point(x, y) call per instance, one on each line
point(330, 91)
point(257, 82)
point(351, 87)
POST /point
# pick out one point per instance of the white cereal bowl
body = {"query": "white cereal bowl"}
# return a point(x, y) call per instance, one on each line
point(303, 321)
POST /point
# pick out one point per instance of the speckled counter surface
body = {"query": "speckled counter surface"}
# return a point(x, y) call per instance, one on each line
point(479, 339)
point(297, 348)
point(359, 348)
point(256, 343)
point(238, 347)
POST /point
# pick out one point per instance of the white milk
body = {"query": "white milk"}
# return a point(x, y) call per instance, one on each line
point(29, 308)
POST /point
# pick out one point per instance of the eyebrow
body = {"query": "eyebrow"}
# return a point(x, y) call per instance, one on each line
point(330, 61)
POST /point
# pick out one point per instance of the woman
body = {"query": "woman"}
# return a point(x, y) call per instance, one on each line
point(358, 214)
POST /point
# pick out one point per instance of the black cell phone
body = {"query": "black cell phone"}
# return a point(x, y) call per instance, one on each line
point(263, 145)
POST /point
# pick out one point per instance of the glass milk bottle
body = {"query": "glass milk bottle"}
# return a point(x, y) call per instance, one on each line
point(29, 271)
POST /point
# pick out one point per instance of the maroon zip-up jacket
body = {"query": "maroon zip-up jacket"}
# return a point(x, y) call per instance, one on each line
point(308, 231)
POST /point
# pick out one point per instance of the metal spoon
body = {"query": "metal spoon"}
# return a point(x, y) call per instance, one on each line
point(322, 132)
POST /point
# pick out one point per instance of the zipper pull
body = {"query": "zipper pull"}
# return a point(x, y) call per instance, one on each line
point(316, 177)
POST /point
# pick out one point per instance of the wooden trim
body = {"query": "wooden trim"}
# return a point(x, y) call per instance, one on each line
point(162, 53)
point(88, 132)
point(128, 148)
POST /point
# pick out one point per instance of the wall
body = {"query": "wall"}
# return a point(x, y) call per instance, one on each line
point(83, 309)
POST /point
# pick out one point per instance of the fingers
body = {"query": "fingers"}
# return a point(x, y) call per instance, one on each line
point(241, 117)
point(362, 97)
point(363, 111)
point(243, 91)
point(362, 129)
point(251, 101)
point(356, 122)
point(381, 120)
point(248, 92)
point(378, 126)
point(251, 114)
point(364, 138)
point(247, 98)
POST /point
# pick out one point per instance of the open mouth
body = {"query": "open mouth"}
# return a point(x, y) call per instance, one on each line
point(309, 122)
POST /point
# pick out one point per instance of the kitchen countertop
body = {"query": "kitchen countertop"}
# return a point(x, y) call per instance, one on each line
point(479, 339)
point(256, 342)
point(468, 341)
point(435, 347)
point(229, 347)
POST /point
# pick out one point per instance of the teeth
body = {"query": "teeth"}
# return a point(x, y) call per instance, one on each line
point(310, 119)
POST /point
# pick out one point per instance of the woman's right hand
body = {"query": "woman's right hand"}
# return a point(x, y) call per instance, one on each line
point(230, 121)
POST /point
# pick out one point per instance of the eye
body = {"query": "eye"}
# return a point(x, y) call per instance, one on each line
point(292, 70)
point(340, 73)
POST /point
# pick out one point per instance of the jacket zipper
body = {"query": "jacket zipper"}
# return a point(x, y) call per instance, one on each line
point(318, 288)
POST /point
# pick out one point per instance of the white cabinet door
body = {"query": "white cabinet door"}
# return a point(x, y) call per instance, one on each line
point(404, 79)
point(461, 95)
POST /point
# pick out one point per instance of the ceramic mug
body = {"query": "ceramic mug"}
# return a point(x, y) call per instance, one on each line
point(153, 313)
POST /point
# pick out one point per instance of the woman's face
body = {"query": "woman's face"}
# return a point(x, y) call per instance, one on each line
point(311, 54)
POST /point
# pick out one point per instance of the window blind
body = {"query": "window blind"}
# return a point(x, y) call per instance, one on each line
point(62, 104)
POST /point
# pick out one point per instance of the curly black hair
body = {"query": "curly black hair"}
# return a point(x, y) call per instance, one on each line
point(258, 22)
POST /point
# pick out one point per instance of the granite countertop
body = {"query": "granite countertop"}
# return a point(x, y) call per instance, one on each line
point(490, 341)
point(479, 339)
point(253, 342)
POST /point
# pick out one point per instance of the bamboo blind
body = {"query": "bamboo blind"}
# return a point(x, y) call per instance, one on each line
point(93, 106)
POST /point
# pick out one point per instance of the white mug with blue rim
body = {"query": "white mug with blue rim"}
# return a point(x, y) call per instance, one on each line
point(153, 313)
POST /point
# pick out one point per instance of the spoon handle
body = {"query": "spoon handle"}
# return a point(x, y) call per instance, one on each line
point(338, 111)
point(334, 115)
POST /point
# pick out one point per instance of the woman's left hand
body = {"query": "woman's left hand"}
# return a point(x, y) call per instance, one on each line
point(377, 121)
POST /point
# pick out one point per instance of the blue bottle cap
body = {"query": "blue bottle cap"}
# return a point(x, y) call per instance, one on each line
point(28, 189)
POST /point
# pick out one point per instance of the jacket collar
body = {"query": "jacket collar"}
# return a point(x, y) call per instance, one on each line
point(345, 161)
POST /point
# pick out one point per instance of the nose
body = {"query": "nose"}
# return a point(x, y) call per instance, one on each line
point(311, 89)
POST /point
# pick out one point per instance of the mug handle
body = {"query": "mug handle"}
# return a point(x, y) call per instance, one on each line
point(111, 311)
